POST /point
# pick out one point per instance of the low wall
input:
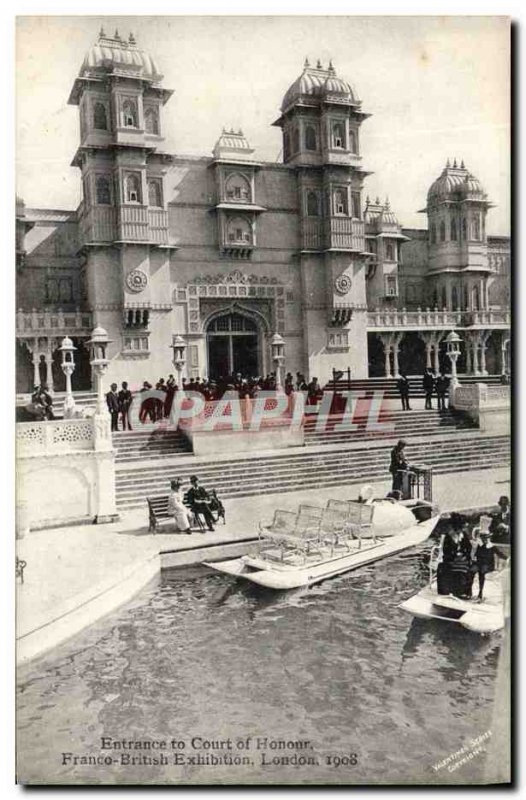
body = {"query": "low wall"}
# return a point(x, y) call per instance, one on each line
point(215, 443)
point(488, 406)
point(65, 473)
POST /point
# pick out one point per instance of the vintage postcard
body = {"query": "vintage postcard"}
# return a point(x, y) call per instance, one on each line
point(263, 294)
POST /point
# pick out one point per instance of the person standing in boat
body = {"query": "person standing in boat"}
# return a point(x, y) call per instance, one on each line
point(177, 508)
point(454, 573)
point(484, 553)
point(398, 465)
point(500, 523)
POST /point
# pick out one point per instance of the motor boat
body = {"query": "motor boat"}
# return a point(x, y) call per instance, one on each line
point(484, 617)
point(300, 548)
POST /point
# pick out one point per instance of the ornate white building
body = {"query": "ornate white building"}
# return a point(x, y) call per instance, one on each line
point(226, 249)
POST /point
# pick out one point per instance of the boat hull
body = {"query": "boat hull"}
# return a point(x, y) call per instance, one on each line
point(285, 576)
point(486, 617)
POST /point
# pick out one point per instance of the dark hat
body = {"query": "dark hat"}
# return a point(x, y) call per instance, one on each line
point(193, 478)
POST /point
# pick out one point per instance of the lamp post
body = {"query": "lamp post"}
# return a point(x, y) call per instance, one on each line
point(67, 349)
point(278, 357)
point(99, 363)
point(453, 350)
point(178, 357)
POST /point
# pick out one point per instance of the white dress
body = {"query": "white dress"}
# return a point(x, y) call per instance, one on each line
point(180, 512)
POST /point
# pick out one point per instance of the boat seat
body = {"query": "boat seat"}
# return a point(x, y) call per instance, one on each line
point(336, 527)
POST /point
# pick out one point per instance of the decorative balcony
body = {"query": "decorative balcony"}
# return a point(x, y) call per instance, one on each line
point(344, 233)
point(53, 323)
point(158, 220)
point(312, 233)
point(384, 319)
point(133, 224)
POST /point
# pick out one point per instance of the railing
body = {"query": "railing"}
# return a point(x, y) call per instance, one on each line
point(469, 398)
point(34, 323)
point(491, 317)
point(158, 219)
point(54, 436)
point(346, 233)
point(381, 318)
point(133, 223)
point(313, 234)
point(98, 224)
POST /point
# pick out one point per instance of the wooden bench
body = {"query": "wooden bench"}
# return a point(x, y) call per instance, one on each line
point(158, 512)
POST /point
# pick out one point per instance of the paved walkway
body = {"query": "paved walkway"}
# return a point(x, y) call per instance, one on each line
point(65, 566)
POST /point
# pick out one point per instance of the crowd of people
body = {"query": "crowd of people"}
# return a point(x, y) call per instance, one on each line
point(467, 552)
point(155, 409)
point(432, 385)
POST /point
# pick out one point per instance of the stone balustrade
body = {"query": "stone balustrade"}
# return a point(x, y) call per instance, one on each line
point(386, 319)
point(488, 406)
point(54, 323)
point(54, 436)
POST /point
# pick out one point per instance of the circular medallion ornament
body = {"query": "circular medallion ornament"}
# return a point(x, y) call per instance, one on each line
point(136, 280)
point(342, 284)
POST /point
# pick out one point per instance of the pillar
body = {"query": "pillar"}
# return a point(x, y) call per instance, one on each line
point(49, 365)
point(469, 362)
point(436, 352)
point(36, 371)
point(428, 355)
point(483, 369)
point(476, 366)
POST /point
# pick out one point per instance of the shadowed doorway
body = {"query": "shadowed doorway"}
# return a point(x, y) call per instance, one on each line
point(233, 347)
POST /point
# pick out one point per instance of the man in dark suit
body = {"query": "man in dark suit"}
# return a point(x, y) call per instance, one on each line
point(428, 384)
point(125, 401)
point(112, 400)
point(199, 501)
point(404, 388)
point(442, 386)
point(398, 464)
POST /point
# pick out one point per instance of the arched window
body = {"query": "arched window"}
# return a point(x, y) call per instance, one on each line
point(100, 120)
point(352, 142)
point(239, 231)
point(465, 298)
point(444, 297)
point(389, 252)
point(310, 138)
point(433, 233)
point(476, 227)
point(155, 197)
point(340, 202)
point(295, 140)
point(312, 204)
point(453, 230)
point(65, 290)
point(338, 135)
point(129, 114)
point(238, 189)
point(454, 298)
point(476, 298)
point(151, 120)
point(464, 228)
point(103, 191)
point(133, 189)
point(442, 231)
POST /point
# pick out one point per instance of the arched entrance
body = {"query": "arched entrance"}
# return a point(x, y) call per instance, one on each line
point(233, 346)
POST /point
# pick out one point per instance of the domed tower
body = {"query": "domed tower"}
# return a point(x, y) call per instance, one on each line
point(123, 216)
point(456, 208)
point(320, 121)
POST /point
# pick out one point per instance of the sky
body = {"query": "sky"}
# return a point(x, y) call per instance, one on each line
point(436, 87)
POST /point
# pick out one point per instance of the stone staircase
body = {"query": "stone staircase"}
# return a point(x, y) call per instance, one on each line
point(416, 422)
point(304, 468)
point(388, 385)
point(150, 442)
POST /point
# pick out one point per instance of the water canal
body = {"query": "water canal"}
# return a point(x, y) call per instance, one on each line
point(375, 695)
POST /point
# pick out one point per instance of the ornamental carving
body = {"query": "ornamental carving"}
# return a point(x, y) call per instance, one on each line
point(136, 280)
point(342, 284)
point(236, 276)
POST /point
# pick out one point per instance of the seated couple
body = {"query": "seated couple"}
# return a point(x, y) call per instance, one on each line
point(184, 507)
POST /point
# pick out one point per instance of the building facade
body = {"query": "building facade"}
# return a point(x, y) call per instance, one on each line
point(226, 250)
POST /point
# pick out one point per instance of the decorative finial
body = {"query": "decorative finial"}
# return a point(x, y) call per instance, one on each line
point(377, 201)
point(387, 206)
point(117, 35)
point(306, 64)
point(448, 164)
point(131, 39)
point(102, 33)
point(240, 132)
point(367, 201)
point(331, 68)
point(455, 164)
point(462, 165)
point(318, 65)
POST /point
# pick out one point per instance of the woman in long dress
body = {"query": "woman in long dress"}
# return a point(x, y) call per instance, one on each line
point(177, 507)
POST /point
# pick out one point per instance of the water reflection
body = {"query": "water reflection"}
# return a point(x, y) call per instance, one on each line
point(339, 664)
